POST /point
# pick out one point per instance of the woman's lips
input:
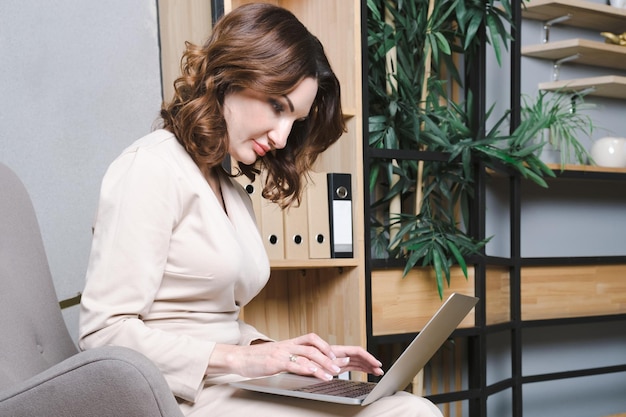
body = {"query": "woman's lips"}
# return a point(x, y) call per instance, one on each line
point(259, 149)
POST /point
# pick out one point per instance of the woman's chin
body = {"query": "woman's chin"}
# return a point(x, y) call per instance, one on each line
point(246, 159)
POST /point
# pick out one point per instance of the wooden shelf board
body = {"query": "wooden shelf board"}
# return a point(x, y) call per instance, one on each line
point(586, 168)
point(405, 304)
point(572, 291)
point(349, 113)
point(313, 263)
point(583, 14)
point(591, 52)
point(611, 86)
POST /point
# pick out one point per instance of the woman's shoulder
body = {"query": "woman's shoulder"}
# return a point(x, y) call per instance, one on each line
point(160, 147)
point(157, 154)
point(158, 141)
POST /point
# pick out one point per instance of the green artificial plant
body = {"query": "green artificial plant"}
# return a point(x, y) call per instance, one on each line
point(414, 52)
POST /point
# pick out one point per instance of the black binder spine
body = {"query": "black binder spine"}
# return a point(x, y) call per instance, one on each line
point(340, 215)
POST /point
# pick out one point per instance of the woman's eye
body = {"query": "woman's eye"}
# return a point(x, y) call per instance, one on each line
point(277, 106)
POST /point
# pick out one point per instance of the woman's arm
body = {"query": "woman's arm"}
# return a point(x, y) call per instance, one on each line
point(304, 355)
point(136, 216)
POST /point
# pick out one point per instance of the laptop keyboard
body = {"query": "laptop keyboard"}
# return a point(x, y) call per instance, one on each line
point(340, 388)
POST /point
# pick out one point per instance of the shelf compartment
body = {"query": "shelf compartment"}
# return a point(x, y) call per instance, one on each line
point(592, 53)
point(405, 304)
point(313, 300)
point(572, 291)
point(583, 14)
point(608, 86)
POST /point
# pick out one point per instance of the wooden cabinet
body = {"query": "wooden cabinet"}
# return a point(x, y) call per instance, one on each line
point(325, 296)
point(586, 15)
point(179, 22)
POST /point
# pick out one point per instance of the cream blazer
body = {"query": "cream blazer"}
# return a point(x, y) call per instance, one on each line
point(169, 270)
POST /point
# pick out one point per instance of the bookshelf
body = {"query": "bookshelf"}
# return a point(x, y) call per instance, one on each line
point(582, 14)
point(608, 86)
point(325, 296)
point(591, 52)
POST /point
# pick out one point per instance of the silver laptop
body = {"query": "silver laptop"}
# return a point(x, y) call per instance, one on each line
point(341, 391)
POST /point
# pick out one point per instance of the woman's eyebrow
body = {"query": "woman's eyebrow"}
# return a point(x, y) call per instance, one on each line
point(290, 103)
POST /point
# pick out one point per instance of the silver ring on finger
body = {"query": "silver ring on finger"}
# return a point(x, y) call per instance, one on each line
point(293, 358)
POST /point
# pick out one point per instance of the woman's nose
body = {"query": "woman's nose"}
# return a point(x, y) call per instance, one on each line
point(279, 134)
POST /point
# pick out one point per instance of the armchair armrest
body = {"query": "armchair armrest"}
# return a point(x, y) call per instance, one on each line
point(103, 382)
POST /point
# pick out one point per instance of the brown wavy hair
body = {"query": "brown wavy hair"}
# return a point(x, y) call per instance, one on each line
point(264, 48)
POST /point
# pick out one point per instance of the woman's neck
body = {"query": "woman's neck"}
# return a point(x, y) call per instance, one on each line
point(212, 176)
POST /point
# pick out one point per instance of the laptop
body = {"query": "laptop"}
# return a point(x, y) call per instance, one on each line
point(412, 360)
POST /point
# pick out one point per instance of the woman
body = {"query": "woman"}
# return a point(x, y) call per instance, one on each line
point(176, 252)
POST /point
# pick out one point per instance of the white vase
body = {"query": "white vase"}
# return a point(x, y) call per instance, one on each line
point(609, 152)
point(549, 155)
point(618, 3)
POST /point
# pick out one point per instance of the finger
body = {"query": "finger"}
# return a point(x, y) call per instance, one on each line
point(357, 355)
point(314, 340)
point(316, 350)
point(360, 360)
point(303, 366)
point(367, 370)
point(318, 359)
point(357, 365)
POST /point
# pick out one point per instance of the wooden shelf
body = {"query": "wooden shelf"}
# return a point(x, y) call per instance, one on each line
point(325, 296)
point(405, 304)
point(610, 86)
point(349, 113)
point(592, 53)
point(295, 264)
point(583, 14)
point(572, 291)
point(571, 168)
point(586, 168)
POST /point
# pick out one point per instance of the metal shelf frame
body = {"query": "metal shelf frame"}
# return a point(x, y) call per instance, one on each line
point(479, 391)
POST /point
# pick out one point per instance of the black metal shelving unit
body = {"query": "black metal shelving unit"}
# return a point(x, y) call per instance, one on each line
point(479, 390)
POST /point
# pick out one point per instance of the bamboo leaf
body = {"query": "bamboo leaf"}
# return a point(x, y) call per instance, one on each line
point(492, 24)
point(458, 256)
point(444, 46)
point(472, 28)
point(438, 273)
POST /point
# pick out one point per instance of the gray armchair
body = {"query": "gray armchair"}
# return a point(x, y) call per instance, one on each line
point(41, 371)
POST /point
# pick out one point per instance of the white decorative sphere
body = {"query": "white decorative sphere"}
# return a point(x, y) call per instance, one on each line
point(609, 152)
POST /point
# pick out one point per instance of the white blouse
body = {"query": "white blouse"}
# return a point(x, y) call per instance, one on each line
point(169, 270)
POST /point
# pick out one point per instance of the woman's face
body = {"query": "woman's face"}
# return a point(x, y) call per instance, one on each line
point(258, 123)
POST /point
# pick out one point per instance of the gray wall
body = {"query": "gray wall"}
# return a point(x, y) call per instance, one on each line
point(79, 81)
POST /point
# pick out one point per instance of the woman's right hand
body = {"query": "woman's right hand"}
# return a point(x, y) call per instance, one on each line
point(305, 355)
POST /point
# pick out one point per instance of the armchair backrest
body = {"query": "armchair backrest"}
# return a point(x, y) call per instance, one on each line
point(33, 335)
